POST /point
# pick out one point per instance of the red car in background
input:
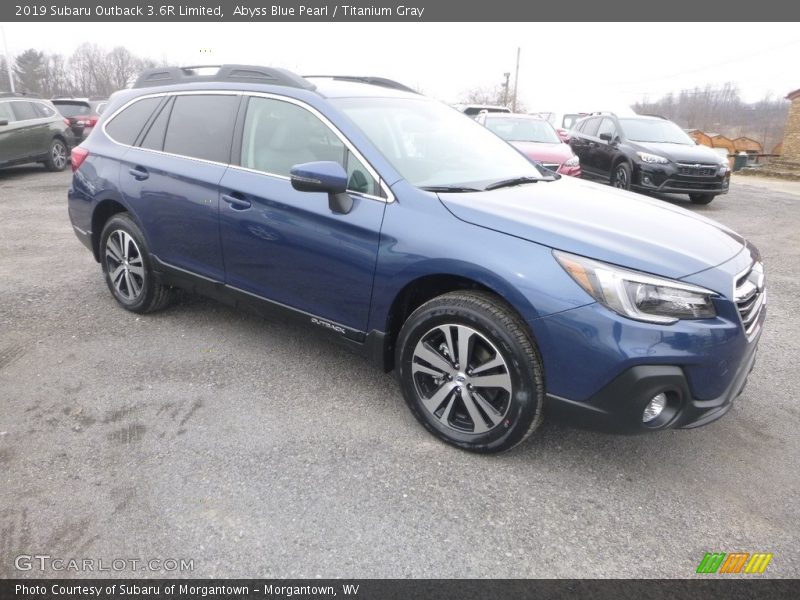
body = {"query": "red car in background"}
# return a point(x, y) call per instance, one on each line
point(535, 138)
point(82, 114)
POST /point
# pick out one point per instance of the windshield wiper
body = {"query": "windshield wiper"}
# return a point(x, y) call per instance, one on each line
point(456, 189)
point(515, 181)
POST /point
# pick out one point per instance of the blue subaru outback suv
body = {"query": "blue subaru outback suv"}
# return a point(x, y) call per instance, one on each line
point(495, 289)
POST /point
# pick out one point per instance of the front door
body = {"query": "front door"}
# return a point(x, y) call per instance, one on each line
point(288, 246)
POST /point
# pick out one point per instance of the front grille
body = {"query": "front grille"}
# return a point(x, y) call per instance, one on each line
point(750, 296)
point(551, 166)
point(697, 170)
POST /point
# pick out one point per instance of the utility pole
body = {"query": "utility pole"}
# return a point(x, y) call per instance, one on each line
point(516, 81)
point(8, 61)
point(505, 89)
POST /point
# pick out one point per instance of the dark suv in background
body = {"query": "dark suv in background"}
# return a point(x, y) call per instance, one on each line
point(648, 154)
point(81, 113)
point(31, 130)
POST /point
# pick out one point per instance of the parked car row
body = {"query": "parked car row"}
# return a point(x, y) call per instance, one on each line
point(632, 152)
point(497, 290)
point(33, 129)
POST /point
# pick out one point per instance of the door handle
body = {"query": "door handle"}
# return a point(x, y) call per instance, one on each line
point(236, 202)
point(139, 173)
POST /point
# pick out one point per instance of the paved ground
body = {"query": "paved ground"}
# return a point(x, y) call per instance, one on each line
point(257, 450)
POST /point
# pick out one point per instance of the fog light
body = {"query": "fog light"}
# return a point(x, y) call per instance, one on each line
point(654, 408)
point(646, 180)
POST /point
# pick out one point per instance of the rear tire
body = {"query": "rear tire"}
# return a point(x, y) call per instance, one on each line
point(57, 156)
point(127, 268)
point(470, 372)
point(701, 198)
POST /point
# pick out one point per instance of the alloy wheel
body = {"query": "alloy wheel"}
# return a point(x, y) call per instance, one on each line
point(461, 379)
point(124, 265)
point(621, 179)
point(59, 155)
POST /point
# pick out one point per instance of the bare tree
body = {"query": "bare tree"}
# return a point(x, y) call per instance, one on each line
point(721, 110)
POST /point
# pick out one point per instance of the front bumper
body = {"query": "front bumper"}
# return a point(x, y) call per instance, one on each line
point(619, 406)
point(667, 179)
point(571, 171)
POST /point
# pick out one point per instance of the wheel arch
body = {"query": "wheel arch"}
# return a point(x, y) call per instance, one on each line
point(423, 288)
point(103, 211)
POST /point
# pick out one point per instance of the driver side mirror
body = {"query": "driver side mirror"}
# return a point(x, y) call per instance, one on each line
point(606, 137)
point(323, 176)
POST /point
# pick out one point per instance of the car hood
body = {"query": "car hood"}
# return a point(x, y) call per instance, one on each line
point(549, 153)
point(680, 152)
point(602, 222)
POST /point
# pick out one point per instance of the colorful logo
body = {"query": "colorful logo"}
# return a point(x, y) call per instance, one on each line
point(734, 562)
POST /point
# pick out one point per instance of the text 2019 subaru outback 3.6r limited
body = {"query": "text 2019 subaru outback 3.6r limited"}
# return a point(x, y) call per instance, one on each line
point(497, 291)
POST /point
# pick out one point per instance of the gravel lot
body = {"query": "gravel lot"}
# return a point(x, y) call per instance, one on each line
point(258, 449)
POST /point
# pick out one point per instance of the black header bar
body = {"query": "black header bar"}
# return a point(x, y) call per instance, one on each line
point(398, 10)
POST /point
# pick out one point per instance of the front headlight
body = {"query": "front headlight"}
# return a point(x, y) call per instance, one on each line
point(638, 295)
point(573, 162)
point(652, 158)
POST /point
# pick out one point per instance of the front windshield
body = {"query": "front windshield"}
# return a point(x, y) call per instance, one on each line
point(433, 145)
point(520, 129)
point(655, 130)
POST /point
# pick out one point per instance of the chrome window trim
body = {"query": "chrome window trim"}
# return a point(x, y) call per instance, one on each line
point(349, 145)
point(32, 101)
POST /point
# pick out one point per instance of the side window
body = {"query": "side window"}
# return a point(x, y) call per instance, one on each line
point(154, 138)
point(125, 126)
point(201, 126)
point(278, 135)
point(607, 127)
point(42, 110)
point(5, 112)
point(24, 111)
point(590, 127)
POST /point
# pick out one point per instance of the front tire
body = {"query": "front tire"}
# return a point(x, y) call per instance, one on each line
point(470, 372)
point(127, 269)
point(701, 198)
point(57, 156)
point(621, 177)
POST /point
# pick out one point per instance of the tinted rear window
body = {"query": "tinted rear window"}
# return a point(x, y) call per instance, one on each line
point(154, 138)
point(73, 109)
point(201, 126)
point(43, 110)
point(125, 127)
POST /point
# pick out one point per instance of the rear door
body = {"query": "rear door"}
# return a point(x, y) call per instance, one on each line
point(172, 176)
point(9, 150)
point(31, 130)
point(288, 246)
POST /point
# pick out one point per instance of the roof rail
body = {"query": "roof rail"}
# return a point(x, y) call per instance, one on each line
point(19, 95)
point(379, 81)
point(224, 73)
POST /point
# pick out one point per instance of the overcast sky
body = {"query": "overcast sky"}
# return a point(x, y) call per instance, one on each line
point(563, 65)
